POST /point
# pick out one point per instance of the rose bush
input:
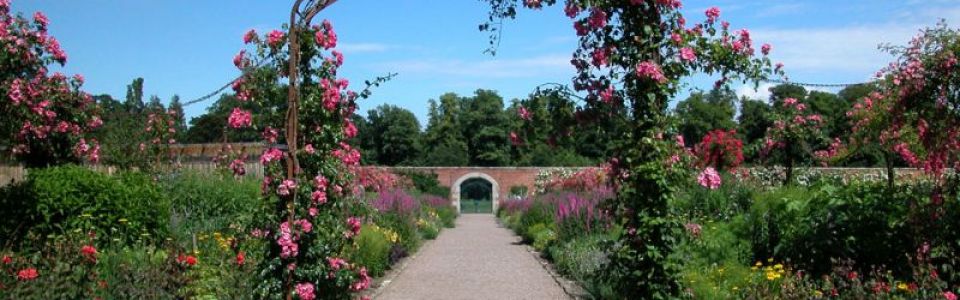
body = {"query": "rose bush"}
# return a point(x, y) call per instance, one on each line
point(46, 116)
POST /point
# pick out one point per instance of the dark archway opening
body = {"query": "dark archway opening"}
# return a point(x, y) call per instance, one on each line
point(476, 196)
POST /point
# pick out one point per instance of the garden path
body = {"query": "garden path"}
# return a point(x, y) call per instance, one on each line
point(476, 260)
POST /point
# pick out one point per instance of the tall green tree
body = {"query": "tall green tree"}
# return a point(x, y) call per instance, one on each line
point(134, 101)
point(444, 142)
point(702, 112)
point(485, 127)
point(752, 124)
point(181, 122)
point(395, 134)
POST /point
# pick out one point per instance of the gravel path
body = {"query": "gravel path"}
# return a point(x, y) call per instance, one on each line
point(476, 260)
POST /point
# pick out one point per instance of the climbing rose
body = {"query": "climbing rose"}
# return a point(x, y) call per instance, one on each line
point(240, 118)
point(326, 37)
point(712, 14)
point(305, 291)
point(687, 54)
point(27, 274)
point(949, 295)
point(336, 263)
point(524, 113)
point(249, 36)
point(286, 187)
point(650, 70)
point(274, 38)
point(363, 282)
point(765, 49)
point(271, 155)
point(353, 224)
point(7, 259)
point(709, 178)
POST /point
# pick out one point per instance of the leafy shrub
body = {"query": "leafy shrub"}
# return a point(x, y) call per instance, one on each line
point(142, 273)
point(426, 183)
point(210, 203)
point(539, 213)
point(581, 259)
point(406, 228)
point(543, 239)
point(121, 209)
point(448, 216)
point(373, 250)
point(810, 228)
point(731, 199)
point(60, 271)
point(428, 230)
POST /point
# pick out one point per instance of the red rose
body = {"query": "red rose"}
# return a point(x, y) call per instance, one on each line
point(27, 274)
point(89, 252)
point(241, 258)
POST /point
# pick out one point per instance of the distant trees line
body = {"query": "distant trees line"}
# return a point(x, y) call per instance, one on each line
point(480, 130)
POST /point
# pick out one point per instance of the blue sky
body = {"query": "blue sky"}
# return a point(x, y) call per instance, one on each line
point(185, 47)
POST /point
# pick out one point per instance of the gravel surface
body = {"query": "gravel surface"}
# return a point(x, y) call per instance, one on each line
point(476, 260)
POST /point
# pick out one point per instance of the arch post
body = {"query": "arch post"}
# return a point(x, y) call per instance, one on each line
point(455, 189)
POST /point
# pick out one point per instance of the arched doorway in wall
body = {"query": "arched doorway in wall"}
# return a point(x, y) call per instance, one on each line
point(475, 193)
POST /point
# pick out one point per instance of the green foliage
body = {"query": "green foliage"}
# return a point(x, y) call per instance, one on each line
point(542, 237)
point(429, 230)
point(426, 183)
point(701, 113)
point(730, 200)
point(582, 259)
point(813, 227)
point(373, 250)
point(405, 226)
point(121, 209)
point(62, 273)
point(448, 216)
point(141, 273)
point(391, 135)
point(753, 122)
point(206, 203)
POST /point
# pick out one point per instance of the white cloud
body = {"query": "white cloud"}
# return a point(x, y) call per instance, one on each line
point(762, 92)
point(493, 68)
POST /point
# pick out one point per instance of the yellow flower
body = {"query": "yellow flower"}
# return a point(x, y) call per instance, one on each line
point(818, 294)
point(902, 286)
point(758, 264)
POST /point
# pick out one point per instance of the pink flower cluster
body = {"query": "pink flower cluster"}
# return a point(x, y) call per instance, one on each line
point(650, 70)
point(305, 291)
point(349, 156)
point(275, 38)
point(524, 113)
point(240, 118)
point(270, 155)
point(712, 14)
point(288, 237)
point(363, 282)
point(687, 54)
point(353, 227)
point(325, 36)
point(287, 187)
point(709, 178)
